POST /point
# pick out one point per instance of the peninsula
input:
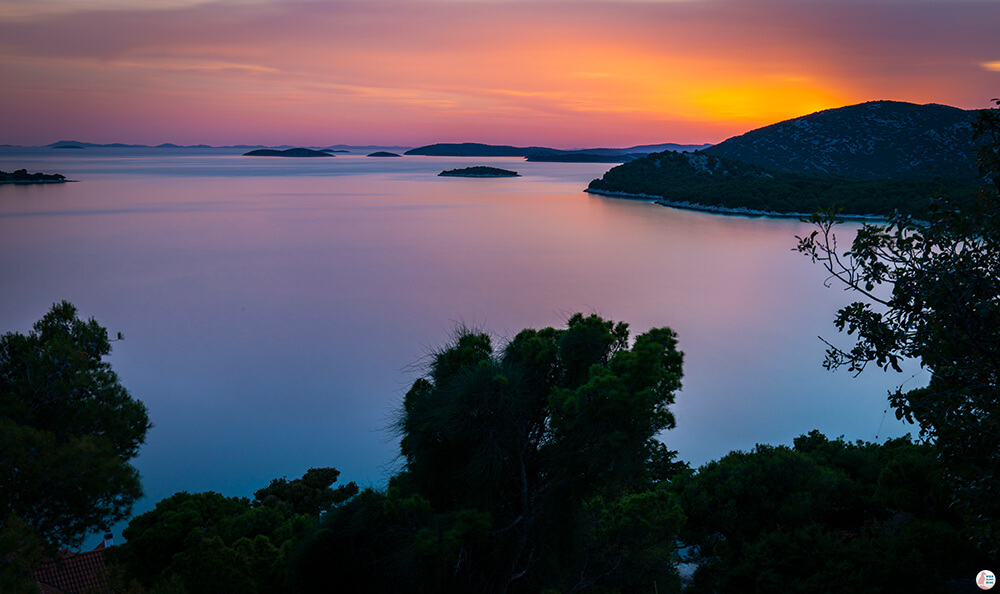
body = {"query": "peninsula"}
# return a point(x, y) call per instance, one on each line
point(850, 159)
point(479, 171)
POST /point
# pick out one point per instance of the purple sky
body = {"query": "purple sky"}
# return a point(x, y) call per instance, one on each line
point(553, 72)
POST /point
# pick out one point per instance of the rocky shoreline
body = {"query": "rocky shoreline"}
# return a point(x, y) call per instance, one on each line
point(739, 211)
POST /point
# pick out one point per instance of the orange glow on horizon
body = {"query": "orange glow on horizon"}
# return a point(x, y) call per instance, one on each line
point(752, 102)
point(612, 73)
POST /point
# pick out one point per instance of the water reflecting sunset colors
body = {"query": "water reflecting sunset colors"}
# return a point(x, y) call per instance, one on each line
point(275, 310)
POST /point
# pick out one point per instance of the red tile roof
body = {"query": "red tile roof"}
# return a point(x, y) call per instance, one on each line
point(74, 573)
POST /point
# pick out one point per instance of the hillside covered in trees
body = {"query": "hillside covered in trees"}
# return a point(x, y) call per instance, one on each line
point(874, 140)
point(699, 180)
point(871, 159)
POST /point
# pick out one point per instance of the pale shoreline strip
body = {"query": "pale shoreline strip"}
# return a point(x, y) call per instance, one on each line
point(27, 182)
point(740, 211)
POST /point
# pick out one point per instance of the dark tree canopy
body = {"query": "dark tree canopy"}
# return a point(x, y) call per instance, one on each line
point(932, 293)
point(308, 495)
point(206, 542)
point(828, 516)
point(68, 430)
point(529, 433)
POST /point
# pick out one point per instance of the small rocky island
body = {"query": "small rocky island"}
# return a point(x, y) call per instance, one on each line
point(479, 171)
point(292, 152)
point(21, 176)
point(384, 154)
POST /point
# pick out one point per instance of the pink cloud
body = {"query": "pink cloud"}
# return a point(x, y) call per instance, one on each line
point(548, 72)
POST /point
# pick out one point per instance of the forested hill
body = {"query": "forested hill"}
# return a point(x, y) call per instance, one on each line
point(540, 153)
point(868, 159)
point(475, 149)
point(880, 139)
point(702, 181)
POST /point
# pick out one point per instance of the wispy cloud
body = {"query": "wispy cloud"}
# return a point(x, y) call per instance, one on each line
point(181, 65)
point(633, 70)
point(22, 9)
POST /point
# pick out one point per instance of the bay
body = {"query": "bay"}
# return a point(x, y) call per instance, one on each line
point(276, 310)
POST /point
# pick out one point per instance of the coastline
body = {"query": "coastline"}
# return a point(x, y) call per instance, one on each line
point(740, 211)
point(28, 182)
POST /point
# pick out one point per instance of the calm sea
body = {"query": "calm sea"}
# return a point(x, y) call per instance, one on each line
point(276, 310)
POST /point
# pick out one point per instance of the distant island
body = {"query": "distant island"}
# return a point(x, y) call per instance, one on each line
point(474, 149)
point(479, 171)
point(582, 157)
point(871, 159)
point(21, 176)
point(541, 153)
point(292, 152)
point(336, 148)
point(384, 154)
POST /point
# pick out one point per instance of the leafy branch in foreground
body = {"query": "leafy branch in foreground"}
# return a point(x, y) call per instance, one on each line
point(932, 293)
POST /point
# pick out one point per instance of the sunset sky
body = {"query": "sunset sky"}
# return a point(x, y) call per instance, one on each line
point(563, 73)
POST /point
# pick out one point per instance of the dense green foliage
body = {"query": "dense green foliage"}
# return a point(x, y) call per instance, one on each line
point(205, 542)
point(699, 179)
point(623, 540)
point(68, 430)
point(522, 469)
point(826, 516)
point(932, 293)
point(535, 468)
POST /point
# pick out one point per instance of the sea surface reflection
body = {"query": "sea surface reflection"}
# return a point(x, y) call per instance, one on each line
point(276, 310)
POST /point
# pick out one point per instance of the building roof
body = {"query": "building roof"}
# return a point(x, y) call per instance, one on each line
point(74, 573)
